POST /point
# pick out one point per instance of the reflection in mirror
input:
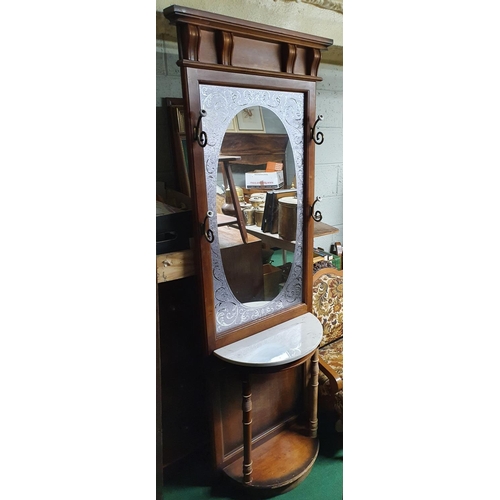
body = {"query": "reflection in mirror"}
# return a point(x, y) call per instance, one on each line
point(254, 171)
point(259, 169)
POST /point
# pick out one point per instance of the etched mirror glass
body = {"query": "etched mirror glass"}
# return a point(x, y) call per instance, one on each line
point(254, 182)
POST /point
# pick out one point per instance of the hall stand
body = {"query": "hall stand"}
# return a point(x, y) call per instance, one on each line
point(159, 440)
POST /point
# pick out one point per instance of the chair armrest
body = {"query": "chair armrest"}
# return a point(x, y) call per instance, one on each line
point(335, 379)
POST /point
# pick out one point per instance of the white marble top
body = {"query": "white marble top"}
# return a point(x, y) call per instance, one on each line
point(276, 346)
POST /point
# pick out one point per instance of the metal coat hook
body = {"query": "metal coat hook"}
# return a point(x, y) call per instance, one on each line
point(209, 234)
point(317, 216)
point(318, 138)
point(200, 137)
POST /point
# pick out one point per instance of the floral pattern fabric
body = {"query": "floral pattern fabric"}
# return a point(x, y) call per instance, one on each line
point(333, 355)
point(328, 302)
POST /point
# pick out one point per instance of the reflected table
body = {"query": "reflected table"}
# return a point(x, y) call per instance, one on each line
point(275, 240)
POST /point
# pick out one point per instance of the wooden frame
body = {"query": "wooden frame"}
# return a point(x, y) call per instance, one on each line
point(195, 76)
point(180, 120)
point(176, 122)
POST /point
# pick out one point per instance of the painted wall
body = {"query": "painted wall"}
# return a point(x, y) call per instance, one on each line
point(329, 160)
point(329, 166)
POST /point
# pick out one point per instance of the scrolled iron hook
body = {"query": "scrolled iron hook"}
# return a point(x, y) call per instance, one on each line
point(200, 137)
point(317, 137)
point(208, 233)
point(317, 216)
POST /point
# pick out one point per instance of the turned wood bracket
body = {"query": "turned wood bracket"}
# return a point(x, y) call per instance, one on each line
point(318, 138)
point(317, 216)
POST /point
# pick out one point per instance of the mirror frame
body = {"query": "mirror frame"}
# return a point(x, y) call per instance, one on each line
point(218, 50)
point(230, 312)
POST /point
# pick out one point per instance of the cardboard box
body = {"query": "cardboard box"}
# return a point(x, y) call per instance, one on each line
point(272, 166)
point(264, 180)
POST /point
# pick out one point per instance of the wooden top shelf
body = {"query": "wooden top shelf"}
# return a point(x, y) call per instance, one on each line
point(275, 346)
point(225, 220)
point(322, 229)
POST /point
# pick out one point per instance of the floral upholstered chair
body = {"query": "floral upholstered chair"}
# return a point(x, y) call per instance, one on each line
point(328, 308)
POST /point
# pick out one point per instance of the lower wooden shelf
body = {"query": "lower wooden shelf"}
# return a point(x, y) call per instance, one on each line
point(279, 463)
point(174, 265)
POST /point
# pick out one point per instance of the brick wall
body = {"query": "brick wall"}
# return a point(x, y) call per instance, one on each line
point(329, 165)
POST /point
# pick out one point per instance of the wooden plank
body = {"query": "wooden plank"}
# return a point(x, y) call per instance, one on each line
point(278, 462)
point(322, 229)
point(271, 240)
point(225, 220)
point(230, 237)
point(174, 266)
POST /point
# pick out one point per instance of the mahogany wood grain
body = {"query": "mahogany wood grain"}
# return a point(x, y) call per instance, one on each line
point(256, 72)
point(276, 398)
point(255, 149)
point(211, 21)
point(247, 431)
point(283, 459)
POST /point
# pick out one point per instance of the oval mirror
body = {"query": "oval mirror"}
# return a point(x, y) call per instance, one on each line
point(256, 171)
point(253, 167)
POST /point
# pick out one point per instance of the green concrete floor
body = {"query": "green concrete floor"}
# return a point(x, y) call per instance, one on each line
point(191, 479)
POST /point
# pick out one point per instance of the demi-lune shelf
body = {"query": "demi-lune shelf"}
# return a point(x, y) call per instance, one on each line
point(280, 463)
point(275, 346)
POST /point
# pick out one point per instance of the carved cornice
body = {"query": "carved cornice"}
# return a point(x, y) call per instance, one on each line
point(238, 43)
point(335, 5)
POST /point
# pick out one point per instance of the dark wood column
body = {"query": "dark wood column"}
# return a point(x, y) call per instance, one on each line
point(247, 431)
point(313, 388)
